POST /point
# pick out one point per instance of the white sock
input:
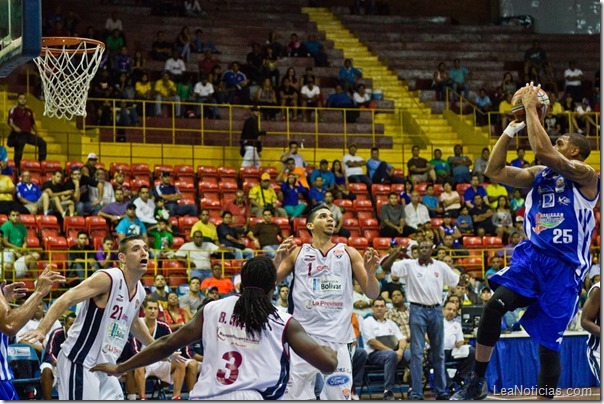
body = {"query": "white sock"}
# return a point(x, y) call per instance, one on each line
point(132, 397)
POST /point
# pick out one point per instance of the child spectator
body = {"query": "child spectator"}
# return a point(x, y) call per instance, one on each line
point(464, 221)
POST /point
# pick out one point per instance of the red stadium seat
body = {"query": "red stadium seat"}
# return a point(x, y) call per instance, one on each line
point(33, 241)
point(95, 225)
point(360, 205)
point(358, 188)
point(343, 203)
point(380, 189)
point(29, 221)
point(184, 171)
point(492, 242)
point(371, 234)
point(185, 223)
point(369, 224)
point(360, 243)
point(74, 222)
point(224, 172)
point(472, 242)
point(472, 263)
point(339, 239)
point(436, 222)
point(32, 166)
point(70, 164)
point(421, 188)
point(249, 172)
point(398, 188)
point(206, 172)
point(461, 188)
point(299, 223)
point(403, 240)
point(50, 166)
point(381, 243)
point(365, 214)
point(158, 169)
point(47, 222)
point(304, 235)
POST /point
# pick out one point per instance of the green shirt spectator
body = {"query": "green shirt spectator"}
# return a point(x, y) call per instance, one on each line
point(14, 231)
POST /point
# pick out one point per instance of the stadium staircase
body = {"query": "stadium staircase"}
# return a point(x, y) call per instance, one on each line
point(417, 118)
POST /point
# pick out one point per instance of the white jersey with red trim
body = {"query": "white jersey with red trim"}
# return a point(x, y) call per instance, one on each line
point(320, 295)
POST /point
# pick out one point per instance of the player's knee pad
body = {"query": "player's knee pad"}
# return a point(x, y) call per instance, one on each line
point(549, 374)
point(489, 328)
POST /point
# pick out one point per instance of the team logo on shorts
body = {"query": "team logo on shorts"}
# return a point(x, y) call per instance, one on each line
point(337, 380)
point(547, 221)
point(346, 394)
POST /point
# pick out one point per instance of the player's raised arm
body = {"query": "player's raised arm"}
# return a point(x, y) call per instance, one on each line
point(364, 269)
point(285, 258)
point(567, 156)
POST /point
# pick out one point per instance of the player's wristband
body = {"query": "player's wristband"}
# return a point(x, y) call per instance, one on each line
point(513, 128)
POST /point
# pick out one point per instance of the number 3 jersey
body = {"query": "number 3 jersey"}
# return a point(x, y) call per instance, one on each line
point(235, 361)
point(560, 220)
point(98, 335)
point(320, 296)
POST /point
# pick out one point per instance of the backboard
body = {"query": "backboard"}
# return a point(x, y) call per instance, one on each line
point(20, 33)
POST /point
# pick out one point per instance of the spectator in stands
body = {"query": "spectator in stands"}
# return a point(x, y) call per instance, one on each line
point(145, 208)
point(281, 303)
point(535, 56)
point(481, 217)
point(202, 45)
point(115, 211)
point(89, 167)
point(30, 195)
point(505, 110)
point(502, 217)
point(265, 234)
point(416, 214)
point(441, 81)
point(171, 195)
point(494, 191)
point(106, 255)
point(171, 371)
point(391, 286)
point(353, 166)
point(139, 66)
point(452, 246)
point(299, 172)
point(207, 63)
point(553, 123)
point(237, 85)
point(517, 201)
point(263, 196)
point(441, 167)
point(473, 190)
point(197, 252)
point(361, 303)
point(293, 196)
point(59, 196)
point(385, 344)
point(273, 43)
point(316, 49)
point(449, 228)
point(23, 130)
point(460, 165)
point(165, 90)
point(484, 105)
point(7, 202)
point(480, 164)
point(380, 171)
point(341, 190)
point(323, 171)
point(486, 293)
point(173, 315)
point(266, 99)
point(519, 161)
point(310, 97)
point(239, 208)
point(113, 22)
point(49, 359)
point(316, 194)
point(450, 200)
point(572, 81)
point(254, 63)
point(231, 237)
point(130, 225)
point(584, 117)
point(495, 266)
point(399, 313)
point(250, 143)
point(108, 195)
point(224, 285)
point(341, 99)
point(362, 99)
point(81, 185)
point(176, 66)
point(392, 217)
point(368, 6)
point(14, 242)
point(454, 339)
point(419, 168)
point(459, 75)
point(464, 221)
point(163, 240)
point(206, 227)
point(122, 62)
point(204, 94)
point(160, 48)
point(192, 300)
point(269, 69)
point(82, 258)
point(349, 75)
point(211, 295)
point(430, 201)
point(295, 48)
point(508, 84)
point(288, 97)
point(293, 79)
point(143, 90)
point(336, 211)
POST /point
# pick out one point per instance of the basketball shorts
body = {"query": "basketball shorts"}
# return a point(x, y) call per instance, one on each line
point(21, 268)
point(242, 395)
point(75, 382)
point(7, 391)
point(552, 282)
point(162, 370)
point(303, 376)
point(593, 358)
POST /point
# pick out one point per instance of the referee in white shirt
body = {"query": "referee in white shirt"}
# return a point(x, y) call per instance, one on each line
point(425, 279)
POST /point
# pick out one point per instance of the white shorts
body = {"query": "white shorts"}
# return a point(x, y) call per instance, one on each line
point(303, 376)
point(75, 382)
point(242, 395)
point(162, 370)
point(21, 268)
point(8, 256)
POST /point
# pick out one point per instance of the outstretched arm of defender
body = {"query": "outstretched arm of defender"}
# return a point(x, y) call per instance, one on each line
point(285, 258)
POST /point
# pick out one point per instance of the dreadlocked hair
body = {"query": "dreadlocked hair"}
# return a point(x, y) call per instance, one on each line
point(253, 308)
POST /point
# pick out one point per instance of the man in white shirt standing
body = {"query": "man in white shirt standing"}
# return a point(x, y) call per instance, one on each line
point(353, 166)
point(454, 340)
point(424, 279)
point(385, 344)
point(572, 81)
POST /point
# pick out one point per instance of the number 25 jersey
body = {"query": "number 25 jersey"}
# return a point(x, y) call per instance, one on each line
point(560, 220)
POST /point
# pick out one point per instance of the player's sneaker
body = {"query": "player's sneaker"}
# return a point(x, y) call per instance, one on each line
point(474, 389)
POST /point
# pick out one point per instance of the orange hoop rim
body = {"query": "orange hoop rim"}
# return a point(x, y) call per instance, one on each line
point(55, 45)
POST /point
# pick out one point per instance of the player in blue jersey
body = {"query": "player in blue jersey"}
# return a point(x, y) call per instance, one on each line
point(12, 320)
point(546, 271)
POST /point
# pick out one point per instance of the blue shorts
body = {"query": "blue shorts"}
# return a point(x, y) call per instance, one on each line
point(7, 390)
point(552, 282)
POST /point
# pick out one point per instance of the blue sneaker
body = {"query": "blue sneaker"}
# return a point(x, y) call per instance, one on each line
point(474, 389)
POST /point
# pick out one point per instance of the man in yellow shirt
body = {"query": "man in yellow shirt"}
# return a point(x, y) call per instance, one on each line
point(165, 89)
point(494, 191)
point(264, 195)
point(207, 228)
point(7, 197)
point(505, 109)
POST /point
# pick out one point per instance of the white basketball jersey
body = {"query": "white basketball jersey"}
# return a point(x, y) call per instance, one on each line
point(320, 295)
point(236, 361)
point(98, 335)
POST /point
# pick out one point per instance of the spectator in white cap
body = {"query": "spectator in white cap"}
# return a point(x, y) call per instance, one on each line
point(89, 168)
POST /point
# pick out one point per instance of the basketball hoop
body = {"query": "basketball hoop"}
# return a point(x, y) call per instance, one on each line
point(66, 66)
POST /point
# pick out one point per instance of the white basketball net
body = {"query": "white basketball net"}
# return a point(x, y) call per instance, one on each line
point(66, 72)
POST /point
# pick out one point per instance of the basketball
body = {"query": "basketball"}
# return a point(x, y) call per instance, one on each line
point(518, 108)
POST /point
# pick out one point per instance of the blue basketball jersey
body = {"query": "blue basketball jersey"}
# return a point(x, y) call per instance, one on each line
point(559, 220)
point(5, 371)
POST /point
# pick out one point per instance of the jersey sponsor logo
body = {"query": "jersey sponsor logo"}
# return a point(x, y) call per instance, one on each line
point(116, 333)
point(548, 200)
point(309, 258)
point(543, 190)
point(324, 304)
point(237, 337)
point(436, 274)
point(547, 221)
point(346, 394)
point(326, 285)
point(338, 253)
point(560, 184)
point(119, 298)
point(337, 380)
point(564, 200)
point(110, 348)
